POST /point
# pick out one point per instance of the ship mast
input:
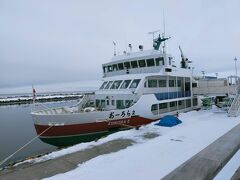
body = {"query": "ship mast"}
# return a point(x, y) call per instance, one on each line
point(114, 44)
point(164, 45)
point(157, 41)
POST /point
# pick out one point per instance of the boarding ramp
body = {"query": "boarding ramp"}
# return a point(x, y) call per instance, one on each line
point(234, 109)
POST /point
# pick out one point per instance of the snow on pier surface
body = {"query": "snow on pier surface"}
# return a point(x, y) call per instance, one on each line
point(157, 151)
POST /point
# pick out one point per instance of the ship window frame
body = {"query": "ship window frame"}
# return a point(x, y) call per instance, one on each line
point(172, 104)
point(125, 87)
point(113, 86)
point(132, 86)
point(114, 67)
point(158, 60)
point(109, 84)
point(127, 65)
point(188, 103)
point(150, 62)
point(120, 104)
point(152, 83)
point(179, 83)
point(181, 104)
point(102, 103)
point(98, 102)
point(104, 69)
point(103, 85)
point(134, 64)
point(170, 83)
point(162, 105)
point(154, 107)
point(162, 83)
point(142, 65)
point(109, 68)
point(120, 66)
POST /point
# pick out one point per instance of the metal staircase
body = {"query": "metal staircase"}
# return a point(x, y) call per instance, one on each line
point(83, 102)
point(234, 109)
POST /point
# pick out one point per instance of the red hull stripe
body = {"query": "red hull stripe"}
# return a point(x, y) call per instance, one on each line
point(77, 129)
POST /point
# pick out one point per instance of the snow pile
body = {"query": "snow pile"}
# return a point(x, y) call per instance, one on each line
point(151, 158)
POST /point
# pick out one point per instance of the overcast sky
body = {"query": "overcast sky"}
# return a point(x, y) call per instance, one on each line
point(52, 41)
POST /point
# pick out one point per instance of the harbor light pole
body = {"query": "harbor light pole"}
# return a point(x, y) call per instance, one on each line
point(203, 73)
point(235, 59)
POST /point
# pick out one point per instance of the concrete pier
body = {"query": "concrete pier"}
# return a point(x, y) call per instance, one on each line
point(63, 164)
point(208, 162)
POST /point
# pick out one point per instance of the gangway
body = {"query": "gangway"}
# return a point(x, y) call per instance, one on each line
point(234, 109)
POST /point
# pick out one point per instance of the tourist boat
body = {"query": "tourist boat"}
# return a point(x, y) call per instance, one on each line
point(138, 88)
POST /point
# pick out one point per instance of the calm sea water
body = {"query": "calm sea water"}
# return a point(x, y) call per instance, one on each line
point(16, 129)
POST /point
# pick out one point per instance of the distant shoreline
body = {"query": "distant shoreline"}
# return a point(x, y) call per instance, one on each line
point(40, 100)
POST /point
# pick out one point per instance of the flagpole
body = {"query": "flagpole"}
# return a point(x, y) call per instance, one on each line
point(34, 97)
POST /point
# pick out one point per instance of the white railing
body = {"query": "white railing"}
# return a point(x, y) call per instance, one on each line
point(229, 103)
point(234, 109)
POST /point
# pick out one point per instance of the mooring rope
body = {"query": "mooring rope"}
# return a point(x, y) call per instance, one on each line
point(2, 162)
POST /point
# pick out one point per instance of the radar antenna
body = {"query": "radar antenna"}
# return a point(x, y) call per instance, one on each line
point(153, 33)
point(157, 42)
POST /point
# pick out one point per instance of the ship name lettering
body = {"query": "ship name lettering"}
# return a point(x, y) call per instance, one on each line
point(119, 122)
point(112, 115)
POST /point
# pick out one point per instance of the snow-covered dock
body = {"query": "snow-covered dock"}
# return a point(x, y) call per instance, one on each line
point(208, 162)
point(151, 152)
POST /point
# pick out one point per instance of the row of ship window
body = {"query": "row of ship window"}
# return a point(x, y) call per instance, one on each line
point(134, 64)
point(172, 95)
point(172, 106)
point(151, 83)
point(120, 83)
point(155, 108)
point(120, 104)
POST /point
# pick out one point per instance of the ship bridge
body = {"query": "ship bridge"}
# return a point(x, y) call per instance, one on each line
point(143, 61)
point(148, 61)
